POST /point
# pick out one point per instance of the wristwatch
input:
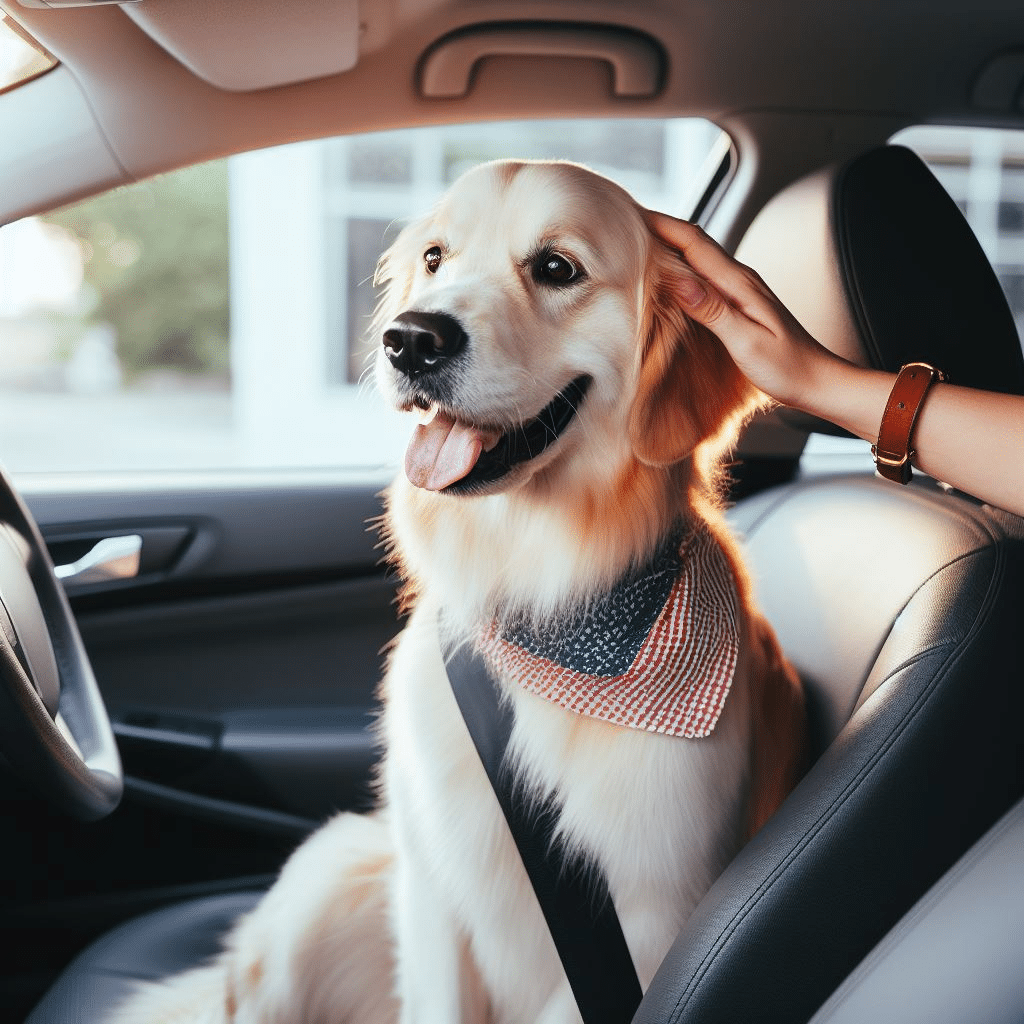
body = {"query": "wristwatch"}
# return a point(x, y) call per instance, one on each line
point(892, 450)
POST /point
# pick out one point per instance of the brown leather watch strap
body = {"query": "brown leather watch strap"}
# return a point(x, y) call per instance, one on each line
point(892, 451)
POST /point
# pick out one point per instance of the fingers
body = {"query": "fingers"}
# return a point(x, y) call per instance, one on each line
point(737, 292)
point(762, 336)
point(698, 248)
point(684, 236)
point(701, 300)
point(693, 242)
point(738, 283)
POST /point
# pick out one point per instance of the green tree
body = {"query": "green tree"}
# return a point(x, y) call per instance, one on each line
point(156, 268)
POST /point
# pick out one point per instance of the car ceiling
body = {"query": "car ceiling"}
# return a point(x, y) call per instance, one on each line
point(156, 84)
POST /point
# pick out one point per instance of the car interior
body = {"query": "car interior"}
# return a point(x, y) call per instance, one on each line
point(216, 662)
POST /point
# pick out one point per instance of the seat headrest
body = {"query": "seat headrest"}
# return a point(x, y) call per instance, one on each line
point(876, 260)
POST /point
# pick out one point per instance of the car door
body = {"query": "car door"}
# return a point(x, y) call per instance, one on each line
point(239, 656)
point(209, 513)
point(239, 667)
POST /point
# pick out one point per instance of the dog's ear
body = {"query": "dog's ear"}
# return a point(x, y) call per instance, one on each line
point(688, 387)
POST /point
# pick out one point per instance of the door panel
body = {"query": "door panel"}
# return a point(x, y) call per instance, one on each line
point(222, 695)
point(242, 664)
point(239, 667)
point(239, 525)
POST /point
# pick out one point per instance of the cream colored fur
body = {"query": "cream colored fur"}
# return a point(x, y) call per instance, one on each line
point(422, 912)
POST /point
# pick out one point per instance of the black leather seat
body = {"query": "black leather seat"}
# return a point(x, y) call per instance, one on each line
point(915, 678)
point(146, 948)
point(901, 607)
point(955, 956)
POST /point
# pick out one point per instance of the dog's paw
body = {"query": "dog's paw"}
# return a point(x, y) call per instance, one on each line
point(317, 949)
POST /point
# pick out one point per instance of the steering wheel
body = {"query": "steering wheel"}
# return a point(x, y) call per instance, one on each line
point(54, 728)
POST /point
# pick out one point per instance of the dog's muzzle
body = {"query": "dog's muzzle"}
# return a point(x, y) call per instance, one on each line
point(526, 441)
point(422, 343)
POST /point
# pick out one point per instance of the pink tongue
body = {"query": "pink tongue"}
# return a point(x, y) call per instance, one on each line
point(441, 452)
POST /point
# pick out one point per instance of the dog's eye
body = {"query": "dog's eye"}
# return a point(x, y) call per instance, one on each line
point(432, 258)
point(555, 269)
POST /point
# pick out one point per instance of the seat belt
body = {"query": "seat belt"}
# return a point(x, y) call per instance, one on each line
point(576, 903)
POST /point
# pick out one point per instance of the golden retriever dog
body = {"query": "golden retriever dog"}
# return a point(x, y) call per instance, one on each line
point(559, 509)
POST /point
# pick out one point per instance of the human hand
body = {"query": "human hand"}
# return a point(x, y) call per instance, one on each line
point(767, 343)
point(972, 439)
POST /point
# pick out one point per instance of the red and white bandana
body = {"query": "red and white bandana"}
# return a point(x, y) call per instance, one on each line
point(657, 653)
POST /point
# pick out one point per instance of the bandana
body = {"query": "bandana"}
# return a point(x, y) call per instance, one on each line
point(656, 653)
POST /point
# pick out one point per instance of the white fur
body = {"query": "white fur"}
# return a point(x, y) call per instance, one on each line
point(422, 912)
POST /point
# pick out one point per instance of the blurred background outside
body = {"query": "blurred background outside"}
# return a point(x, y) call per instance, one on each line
point(216, 317)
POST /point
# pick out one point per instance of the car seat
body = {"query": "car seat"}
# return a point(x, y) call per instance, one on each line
point(900, 606)
point(955, 956)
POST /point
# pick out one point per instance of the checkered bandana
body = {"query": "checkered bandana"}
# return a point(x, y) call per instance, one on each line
point(656, 653)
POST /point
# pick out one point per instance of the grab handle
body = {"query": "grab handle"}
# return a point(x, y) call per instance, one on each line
point(636, 59)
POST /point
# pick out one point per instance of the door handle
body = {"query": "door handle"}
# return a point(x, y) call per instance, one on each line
point(109, 559)
point(115, 555)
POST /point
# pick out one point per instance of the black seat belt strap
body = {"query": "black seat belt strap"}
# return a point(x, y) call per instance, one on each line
point(576, 903)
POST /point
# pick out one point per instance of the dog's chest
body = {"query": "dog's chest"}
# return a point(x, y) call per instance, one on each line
point(658, 813)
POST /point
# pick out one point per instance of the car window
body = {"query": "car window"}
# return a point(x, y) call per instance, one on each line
point(216, 316)
point(983, 170)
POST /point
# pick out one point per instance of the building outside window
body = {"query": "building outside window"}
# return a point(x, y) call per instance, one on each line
point(983, 170)
point(216, 317)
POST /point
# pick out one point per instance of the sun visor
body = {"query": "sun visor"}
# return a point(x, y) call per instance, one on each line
point(58, 4)
point(256, 45)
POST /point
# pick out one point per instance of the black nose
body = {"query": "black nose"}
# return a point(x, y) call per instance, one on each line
point(418, 343)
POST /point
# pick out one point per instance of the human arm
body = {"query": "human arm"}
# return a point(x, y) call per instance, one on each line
point(969, 438)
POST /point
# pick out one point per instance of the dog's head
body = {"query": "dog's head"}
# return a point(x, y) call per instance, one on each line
point(530, 323)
